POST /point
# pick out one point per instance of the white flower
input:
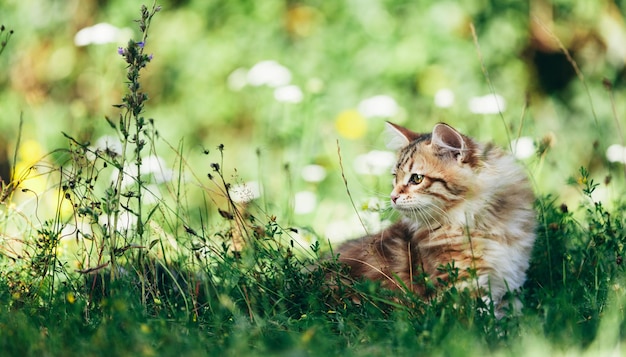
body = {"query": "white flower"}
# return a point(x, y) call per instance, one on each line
point(378, 106)
point(99, 34)
point(269, 73)
point(305, 202)
point(125, 221)
point(313, 173)
point(616, 153)
point(151, 165)
point(340, 231)
point(109, 143)
point(288, 94)
point(245, 192)
point(155, 165)
point(444, 98)
point(488, 104)
point(523, 147)
point(375, 162)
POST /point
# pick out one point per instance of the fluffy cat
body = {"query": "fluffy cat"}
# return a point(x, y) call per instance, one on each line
point(461, 202)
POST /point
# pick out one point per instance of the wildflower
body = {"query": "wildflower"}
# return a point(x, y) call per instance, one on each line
point(378, 106)
point(488, 104)
point(305, 202)
point(107, 144)
point(303, 20)
point(375, 162)
point(99, 34)
point(350, 124)
point(120, 51)
point(155, 165)
point(444, 98)
point(246, 192)
point(523, 147)
point(616, 153)
point(269, 73)
point(125, 221)
point(313, 173)
point(288, 94)
point(145, 328)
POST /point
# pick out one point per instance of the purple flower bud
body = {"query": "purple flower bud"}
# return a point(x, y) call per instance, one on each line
point(140, 44)
point(120, 51)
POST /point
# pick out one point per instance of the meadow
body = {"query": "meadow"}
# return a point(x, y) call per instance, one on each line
point(173, 173)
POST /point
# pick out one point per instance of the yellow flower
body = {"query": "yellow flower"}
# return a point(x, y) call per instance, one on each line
point(30, 152)
point(145, 328)
point(350, 124)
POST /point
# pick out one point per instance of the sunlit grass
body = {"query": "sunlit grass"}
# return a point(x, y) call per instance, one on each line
point(136, 242)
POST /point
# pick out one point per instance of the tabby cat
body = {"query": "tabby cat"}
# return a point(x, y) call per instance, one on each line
point(463, 204)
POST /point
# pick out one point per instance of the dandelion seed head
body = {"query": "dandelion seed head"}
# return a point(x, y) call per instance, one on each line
point(245, 192)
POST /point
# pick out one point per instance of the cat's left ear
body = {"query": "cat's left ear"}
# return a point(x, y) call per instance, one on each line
point(398, 137)
point(450, 140)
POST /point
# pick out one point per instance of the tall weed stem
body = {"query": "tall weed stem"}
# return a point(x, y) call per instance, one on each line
point(132, 118)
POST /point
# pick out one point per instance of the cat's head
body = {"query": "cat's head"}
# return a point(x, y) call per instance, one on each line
point(434, 172)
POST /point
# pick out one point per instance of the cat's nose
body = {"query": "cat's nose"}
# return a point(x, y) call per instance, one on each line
point(394, 197)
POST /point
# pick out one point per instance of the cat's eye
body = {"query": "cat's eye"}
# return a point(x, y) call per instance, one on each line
point(416, 179)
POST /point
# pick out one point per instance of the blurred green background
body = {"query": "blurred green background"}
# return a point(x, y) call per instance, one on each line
point(281, 83)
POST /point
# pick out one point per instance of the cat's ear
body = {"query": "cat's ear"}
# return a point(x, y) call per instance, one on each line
point(447, 139)
point(398, 137)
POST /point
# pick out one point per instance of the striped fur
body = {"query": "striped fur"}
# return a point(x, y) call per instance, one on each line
point(463, 203)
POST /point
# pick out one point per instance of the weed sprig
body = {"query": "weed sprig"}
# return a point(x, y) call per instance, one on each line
point(5, 35)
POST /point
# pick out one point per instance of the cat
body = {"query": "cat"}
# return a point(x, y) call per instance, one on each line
point(463, 204)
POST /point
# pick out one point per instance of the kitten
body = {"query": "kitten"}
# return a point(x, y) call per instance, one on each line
point(463, 203)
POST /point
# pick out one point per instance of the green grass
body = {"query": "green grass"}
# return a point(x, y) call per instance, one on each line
point(110, 258)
